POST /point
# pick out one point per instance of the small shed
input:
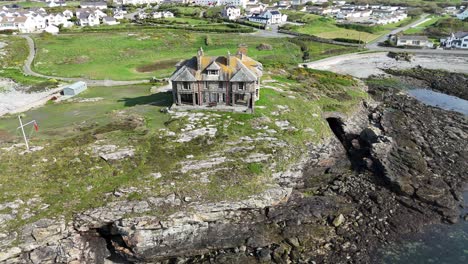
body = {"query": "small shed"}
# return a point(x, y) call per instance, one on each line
point(74, 89)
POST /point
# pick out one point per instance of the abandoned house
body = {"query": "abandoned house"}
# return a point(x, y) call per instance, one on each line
point(224, 82)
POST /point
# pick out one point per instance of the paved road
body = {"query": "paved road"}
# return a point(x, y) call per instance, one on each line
point(32, 53)
point(374, 45)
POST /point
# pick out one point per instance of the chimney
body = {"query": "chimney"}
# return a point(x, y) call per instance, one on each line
point(199, 58)
point(228, 58)
point(241, 51)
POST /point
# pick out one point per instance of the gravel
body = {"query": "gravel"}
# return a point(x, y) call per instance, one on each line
point(364, 65)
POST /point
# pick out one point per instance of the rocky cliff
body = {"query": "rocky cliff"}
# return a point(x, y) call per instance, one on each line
point(392, 168)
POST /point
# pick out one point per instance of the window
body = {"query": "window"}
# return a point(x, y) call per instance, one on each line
point(220, 85)
point(212, 72)
point(464, 45)
point(186, 86)
point(241, 86)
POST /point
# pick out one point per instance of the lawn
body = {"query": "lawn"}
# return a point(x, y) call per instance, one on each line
point(12, 60)
point(124, 56)
point(421, 27)
point(64, 119)
point(67, 177)
point(326, 28)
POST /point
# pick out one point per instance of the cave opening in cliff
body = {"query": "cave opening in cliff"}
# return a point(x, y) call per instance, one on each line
point(355, 149)
point(336, 125)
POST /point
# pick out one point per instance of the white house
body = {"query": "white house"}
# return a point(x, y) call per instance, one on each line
point(138, 2)
point(414, 41)
point(56, 3)
point(52, 29)
point(167, 14)
point(98, 5)
point(39, 20)
point(119, 14)
point(231, 12)
point(23, 24)
point(463, 15)
point(57, 19)
point(88, 19)
point(269, 17)
point(242, 3)
point(110, 21)
point(68, 14)
point(457, 40)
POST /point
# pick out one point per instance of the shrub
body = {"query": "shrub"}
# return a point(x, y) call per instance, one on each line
point(208, 41)
point(264, 46)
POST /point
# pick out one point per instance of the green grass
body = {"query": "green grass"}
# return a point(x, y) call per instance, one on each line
point(12, 62)
point(25, 4)
point(140, 55)
point(63, 119)
point(421, 27)
point(326, 28)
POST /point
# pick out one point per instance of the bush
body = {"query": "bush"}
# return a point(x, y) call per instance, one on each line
point(208, 41)
point(362, 28)
point(264, 46)
point(356, 41)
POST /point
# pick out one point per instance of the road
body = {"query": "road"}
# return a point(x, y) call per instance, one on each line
point(32, 54)
point(374, 45)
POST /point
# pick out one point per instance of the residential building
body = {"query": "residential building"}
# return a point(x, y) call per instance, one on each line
point(138, 2)
point(110, 21)
point(56, 3)
point(458, 40)
point(52, 29)
point(23, 24)
point(98, 5)
point(242, 3)
point(163, 14)
point(463, 15)
point(88, 19)
point(414, 41)
point(269, 17)
point(231, 82)
point(231, 12)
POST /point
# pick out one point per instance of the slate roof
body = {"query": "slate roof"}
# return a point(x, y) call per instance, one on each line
point(413, 38)
point(240, 68)
point(461, 34)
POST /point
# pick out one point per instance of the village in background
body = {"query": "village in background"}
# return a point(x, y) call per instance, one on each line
point(54, 16)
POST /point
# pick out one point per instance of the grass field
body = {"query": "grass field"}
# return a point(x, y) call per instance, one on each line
point(124, 56)
point(326, 28)
point(12, 61)
point(421, 27)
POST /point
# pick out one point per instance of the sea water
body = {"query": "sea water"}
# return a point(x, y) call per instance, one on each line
point(444, 101)
point(441, 244)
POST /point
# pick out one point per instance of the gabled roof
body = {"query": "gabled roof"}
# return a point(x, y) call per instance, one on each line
point(243, 75)
point(238, 68)
point(461, 34)
point(213, 67)
point(413, 38)
point(183, 75)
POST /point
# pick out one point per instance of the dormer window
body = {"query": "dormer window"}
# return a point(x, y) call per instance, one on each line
point(213, 72)
point(241, 86)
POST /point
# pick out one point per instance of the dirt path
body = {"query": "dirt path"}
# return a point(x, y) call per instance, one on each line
point(32, 54)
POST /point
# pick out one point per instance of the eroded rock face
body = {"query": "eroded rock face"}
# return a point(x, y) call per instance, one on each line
point(410, 163)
